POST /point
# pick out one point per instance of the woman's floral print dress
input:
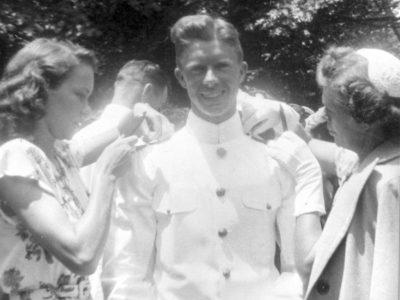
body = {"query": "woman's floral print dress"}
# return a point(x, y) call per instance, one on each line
point(27, 271)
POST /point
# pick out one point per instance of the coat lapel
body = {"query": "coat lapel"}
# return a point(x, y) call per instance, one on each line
point(340, 219)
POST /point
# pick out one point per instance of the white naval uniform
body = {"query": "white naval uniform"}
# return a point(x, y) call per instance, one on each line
point(203, 213)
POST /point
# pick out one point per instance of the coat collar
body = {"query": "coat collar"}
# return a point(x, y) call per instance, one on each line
point(345, 205)
point(388, 150)
point(211, 133)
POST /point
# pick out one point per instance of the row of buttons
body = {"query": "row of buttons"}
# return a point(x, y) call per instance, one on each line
point(221, 152)
point(223, 232)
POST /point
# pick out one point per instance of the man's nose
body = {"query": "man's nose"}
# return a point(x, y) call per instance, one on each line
point(210, 79)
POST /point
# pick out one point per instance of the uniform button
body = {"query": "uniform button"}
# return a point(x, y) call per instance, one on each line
point(221, 192)
point(221, 152)
point(322, 287)
point(223, 232)
point(226, 274)
point(269, 206)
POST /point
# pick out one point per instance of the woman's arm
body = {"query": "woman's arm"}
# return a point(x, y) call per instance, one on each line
point(124, 116)
point(89, 142)
point(325, 153)
point(308, 230)
point(307, 197)
point(77, 245)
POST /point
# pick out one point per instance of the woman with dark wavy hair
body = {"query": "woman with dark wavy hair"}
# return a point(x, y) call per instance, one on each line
point(357, 255)
point(52, 231)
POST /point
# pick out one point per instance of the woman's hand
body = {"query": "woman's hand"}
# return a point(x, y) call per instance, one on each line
point(78, 245)
point(115, 159)
point(157, 127)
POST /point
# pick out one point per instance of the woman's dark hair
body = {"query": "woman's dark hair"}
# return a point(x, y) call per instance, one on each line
point(40, 65)
point(207, 28)
point(345, 71)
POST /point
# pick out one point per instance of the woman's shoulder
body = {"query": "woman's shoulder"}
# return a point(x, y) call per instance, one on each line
point(19, 146)
point(389, 170)
point(20, 157)
point(388, 166)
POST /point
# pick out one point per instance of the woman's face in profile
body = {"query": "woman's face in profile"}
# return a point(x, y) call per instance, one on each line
point(67, 103)
point(342, 127)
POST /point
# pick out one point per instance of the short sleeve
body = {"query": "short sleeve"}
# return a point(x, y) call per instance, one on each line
point(295, 156)
point(20, 158)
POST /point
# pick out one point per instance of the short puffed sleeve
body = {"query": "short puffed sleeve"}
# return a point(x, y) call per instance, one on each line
point(20, 158)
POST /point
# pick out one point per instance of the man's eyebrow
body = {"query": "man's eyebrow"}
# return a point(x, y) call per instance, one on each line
point(193, 64)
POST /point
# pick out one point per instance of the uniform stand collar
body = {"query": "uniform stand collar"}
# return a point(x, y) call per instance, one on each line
point(215, 133)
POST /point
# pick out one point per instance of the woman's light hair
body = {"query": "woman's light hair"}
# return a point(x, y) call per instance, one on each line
point(40, 65)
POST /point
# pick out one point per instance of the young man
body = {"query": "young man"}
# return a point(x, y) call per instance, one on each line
point(207, 206)
point(140, 89)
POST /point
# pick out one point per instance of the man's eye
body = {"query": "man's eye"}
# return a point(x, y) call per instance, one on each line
point(196, 69)
point(222, 66)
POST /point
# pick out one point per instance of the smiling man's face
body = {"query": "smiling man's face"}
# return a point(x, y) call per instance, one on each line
point(211, 72)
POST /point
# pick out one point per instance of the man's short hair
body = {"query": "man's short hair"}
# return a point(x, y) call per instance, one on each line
point(144, 71)
point(203, 27)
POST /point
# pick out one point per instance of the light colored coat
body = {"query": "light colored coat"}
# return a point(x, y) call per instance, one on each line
point(358, 252)
point(203, 212)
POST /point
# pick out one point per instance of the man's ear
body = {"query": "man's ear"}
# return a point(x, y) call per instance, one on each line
point(179, 77)
point(243, 71)
point(147, 92)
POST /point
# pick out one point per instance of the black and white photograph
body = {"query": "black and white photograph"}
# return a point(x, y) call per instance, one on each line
point(199, 150)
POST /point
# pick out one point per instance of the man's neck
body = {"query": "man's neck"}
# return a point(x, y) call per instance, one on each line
point(214, 119)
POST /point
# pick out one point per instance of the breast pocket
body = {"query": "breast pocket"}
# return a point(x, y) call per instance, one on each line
point(177, 217)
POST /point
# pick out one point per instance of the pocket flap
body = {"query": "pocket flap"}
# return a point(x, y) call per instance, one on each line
point(262, 199)
point(181, 200)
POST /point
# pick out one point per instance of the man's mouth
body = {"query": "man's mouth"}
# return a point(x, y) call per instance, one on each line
point(212, 95)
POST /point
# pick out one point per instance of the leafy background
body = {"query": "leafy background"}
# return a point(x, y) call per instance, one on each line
point(282, 40)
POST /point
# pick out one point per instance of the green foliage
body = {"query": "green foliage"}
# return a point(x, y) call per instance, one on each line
point(282, 39)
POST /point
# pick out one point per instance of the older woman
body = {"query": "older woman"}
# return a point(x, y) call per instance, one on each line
point(357, 255)
point(52, 231)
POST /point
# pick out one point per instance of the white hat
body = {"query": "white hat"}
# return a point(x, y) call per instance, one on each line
point(383, 70)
